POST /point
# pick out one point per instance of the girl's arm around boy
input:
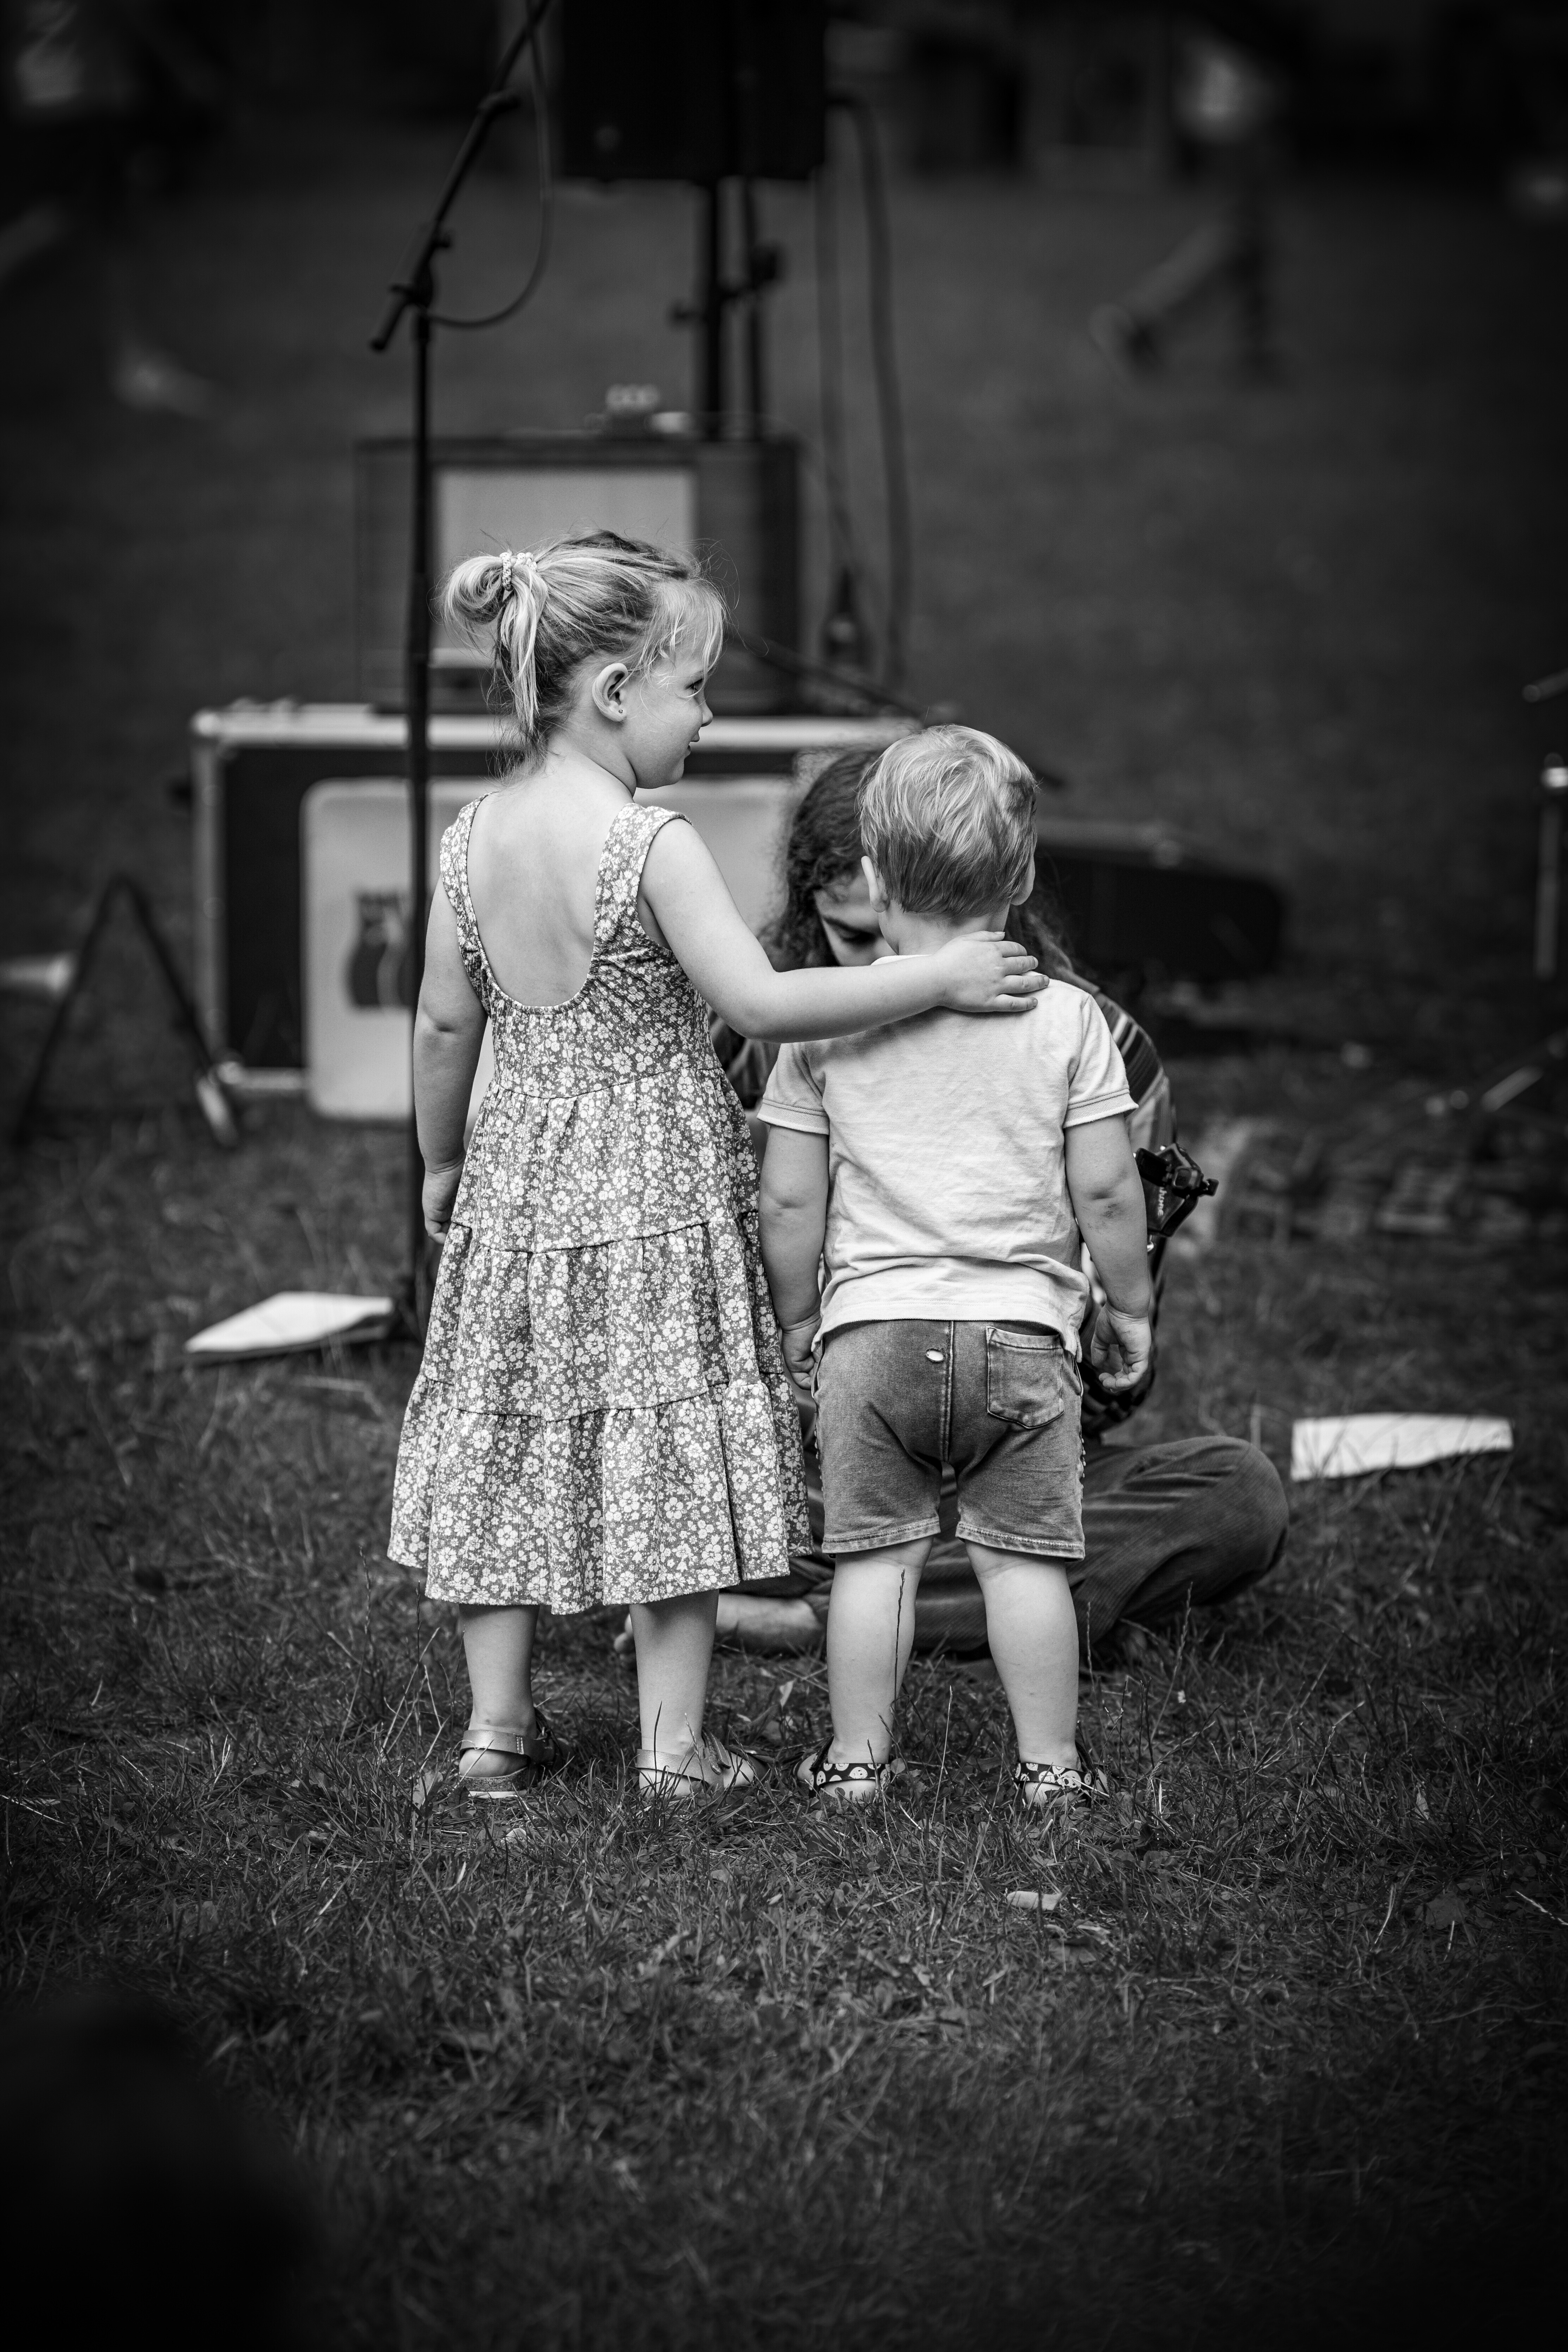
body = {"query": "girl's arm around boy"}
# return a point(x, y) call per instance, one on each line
point(977, 972)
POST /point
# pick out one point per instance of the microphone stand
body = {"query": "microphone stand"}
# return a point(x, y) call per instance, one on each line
point(415, 292)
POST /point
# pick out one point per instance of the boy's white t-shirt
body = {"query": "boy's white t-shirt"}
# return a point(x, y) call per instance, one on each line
point(947, 1184)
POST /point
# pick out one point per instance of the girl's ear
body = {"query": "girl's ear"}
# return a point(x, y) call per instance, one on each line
point(1026, 888)
point(879, 900)
point(609, 692)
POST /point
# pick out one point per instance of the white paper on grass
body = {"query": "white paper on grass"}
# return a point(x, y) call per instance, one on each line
point(1347, 1444)
point(290, 1321)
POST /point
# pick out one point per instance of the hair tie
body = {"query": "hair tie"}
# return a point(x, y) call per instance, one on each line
point(522, 570)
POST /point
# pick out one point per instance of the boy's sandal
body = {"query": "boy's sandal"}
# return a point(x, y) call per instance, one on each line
point(847, 1784)
point(1039, 1786)
point(706, 1769)
point(534, 1752)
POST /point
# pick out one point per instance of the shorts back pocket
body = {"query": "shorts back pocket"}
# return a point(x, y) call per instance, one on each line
point(1027, 1376)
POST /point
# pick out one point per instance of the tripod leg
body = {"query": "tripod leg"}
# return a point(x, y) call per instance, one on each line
point(212, 1101)
point(22, 1127)
point(210, 1096)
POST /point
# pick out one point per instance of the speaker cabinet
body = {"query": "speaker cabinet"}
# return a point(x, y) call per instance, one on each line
point(735, 503)
point(1141, 903)
point(701, 91)
point(254, 768)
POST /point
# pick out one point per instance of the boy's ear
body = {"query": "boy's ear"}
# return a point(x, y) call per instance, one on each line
point(1026, 889)
point(609, 692)
point(880, 901)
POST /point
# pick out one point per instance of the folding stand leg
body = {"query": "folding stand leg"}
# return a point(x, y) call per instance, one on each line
point(210, 1096)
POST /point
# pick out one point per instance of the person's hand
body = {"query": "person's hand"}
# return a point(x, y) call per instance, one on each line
point(985, 971)
point(1121, 1348)
point(438, 1193)
point(797, 1340)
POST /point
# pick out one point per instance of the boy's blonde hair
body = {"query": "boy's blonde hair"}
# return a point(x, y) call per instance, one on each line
point(948, 821)
point(539, 615)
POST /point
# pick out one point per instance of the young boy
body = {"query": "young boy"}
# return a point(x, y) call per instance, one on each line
point(942, 1169)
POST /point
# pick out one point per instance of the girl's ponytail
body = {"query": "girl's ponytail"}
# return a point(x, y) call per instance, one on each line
point(496, 602)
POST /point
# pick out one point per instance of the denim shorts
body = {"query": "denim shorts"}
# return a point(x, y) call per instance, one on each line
point(998, 1401)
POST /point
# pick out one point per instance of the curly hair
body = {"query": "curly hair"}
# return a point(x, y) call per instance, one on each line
point(823, 852)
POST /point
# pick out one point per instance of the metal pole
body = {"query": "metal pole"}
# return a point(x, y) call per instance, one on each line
point(1549, 869)
point(756, 387)
point(415, 291)
point(417, 666)
point(712, 311)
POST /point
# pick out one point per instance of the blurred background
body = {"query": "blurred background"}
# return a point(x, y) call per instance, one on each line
point(1272, 575)
point(1180, 393)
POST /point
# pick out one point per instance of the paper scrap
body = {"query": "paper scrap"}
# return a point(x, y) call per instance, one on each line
point(1446, 1911)
point(289, 1322)
point(1345, 1446)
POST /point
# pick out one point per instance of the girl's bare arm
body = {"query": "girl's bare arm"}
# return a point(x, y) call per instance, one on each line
point(683, 889)
point(449, 1029)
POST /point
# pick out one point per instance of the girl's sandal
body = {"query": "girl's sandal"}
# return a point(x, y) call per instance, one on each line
point(708, 1768)
point(847, 1784)
point(1040, 1787)
point(535, 1753)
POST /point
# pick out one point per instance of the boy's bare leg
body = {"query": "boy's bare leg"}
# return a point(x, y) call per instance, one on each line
point(1033, 1633)
point(870, 1632)
point(498, 1644)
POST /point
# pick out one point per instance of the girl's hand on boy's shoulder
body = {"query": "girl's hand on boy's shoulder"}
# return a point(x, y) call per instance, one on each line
point(437, 1196)
point(1121, 1348)
point(985, 971)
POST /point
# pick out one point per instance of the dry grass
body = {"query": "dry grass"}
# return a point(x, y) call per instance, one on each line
point(751, 2076)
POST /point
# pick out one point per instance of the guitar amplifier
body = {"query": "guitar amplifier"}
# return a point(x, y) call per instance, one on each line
point(1142, 903)
point(1138, 901)
point(733, 502)
point(300, 895)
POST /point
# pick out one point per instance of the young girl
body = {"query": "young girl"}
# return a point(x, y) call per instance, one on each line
point(603, 1413)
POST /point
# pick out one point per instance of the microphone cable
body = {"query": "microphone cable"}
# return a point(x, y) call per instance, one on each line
point(527, 37)
point(885, 373)
point(844, 568)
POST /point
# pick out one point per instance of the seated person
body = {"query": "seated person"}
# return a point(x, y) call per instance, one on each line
point(946, 1184)
point(1182, 1524)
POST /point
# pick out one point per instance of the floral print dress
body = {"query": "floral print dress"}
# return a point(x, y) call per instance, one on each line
point(603, 1413)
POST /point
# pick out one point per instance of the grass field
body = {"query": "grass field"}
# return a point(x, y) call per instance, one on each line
point(1286, 2051)
point(749, 2076)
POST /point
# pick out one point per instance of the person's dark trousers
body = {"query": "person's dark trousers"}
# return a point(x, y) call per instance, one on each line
point(1173, 1526)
